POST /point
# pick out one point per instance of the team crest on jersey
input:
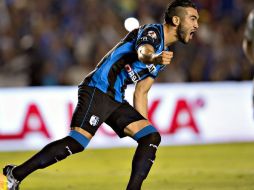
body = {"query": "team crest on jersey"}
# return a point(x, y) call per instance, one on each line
point(132, 74)
point(94, 120)
point(152, 34)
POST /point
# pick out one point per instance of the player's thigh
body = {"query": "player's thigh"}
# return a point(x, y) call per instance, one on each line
point(135, 127)
point(92, 109)
point(126, 120)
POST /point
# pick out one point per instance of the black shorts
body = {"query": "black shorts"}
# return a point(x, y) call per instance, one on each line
point(95, 107)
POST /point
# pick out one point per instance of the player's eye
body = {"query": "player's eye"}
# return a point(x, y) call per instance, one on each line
point(193, 18)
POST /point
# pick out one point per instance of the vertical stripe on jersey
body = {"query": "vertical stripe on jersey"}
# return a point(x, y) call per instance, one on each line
point(116, 69)
point(110, 76)
point(130, 37)
point(118, 95)
point(103, 60)
point(99, 78)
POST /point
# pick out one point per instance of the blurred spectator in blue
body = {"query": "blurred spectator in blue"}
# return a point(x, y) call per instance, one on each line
point(58, 42)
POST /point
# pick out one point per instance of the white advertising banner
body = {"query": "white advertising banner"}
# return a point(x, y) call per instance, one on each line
point(183, 114)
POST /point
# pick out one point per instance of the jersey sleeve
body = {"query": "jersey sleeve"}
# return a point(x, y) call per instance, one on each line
point(249, 30)
point(149, 35)
point(155, 70)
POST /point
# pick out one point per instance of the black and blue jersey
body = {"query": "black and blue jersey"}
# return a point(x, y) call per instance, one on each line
point(121, 65)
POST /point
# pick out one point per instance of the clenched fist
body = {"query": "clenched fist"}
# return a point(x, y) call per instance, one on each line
point(163, 58)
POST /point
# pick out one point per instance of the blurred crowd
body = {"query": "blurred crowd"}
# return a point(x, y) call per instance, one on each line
point(58, 42)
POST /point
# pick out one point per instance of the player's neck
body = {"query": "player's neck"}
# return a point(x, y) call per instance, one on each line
point(170, 35)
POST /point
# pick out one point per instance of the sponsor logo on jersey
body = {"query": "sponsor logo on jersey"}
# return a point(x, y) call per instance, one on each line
point(94, 120)
point(132, 74)
point(151, 68)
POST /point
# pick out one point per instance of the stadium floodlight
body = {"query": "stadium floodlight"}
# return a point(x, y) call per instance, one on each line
point(131, 23)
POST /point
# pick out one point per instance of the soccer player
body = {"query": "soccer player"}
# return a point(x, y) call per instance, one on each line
point(138, 58)
point(248, 41)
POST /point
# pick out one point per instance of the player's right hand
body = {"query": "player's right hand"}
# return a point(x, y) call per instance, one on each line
point(163, 58)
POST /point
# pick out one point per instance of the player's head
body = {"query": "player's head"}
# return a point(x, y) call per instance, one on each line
point(184, 16)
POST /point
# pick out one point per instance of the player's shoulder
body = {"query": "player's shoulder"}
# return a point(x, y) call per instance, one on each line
point(151, 26)
point(153, 30)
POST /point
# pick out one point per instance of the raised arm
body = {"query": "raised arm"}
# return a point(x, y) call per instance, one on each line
point(147, 55)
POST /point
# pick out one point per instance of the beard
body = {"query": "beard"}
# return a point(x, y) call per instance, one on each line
point(181, 34)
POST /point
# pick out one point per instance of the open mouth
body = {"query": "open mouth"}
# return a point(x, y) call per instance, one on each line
point(192, 34)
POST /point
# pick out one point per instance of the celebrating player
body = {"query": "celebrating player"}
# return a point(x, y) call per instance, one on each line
point(138, 58)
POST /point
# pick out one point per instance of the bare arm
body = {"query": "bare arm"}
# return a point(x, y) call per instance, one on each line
point(248, 49)
point(140, 99)
point(147, 55)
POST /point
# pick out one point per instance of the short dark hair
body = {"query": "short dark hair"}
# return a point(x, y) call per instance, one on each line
point(171, 9)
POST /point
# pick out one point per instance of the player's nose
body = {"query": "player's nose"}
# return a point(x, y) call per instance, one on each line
point(196, 25)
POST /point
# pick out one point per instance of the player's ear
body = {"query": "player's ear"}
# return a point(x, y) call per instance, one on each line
point(176, 20)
